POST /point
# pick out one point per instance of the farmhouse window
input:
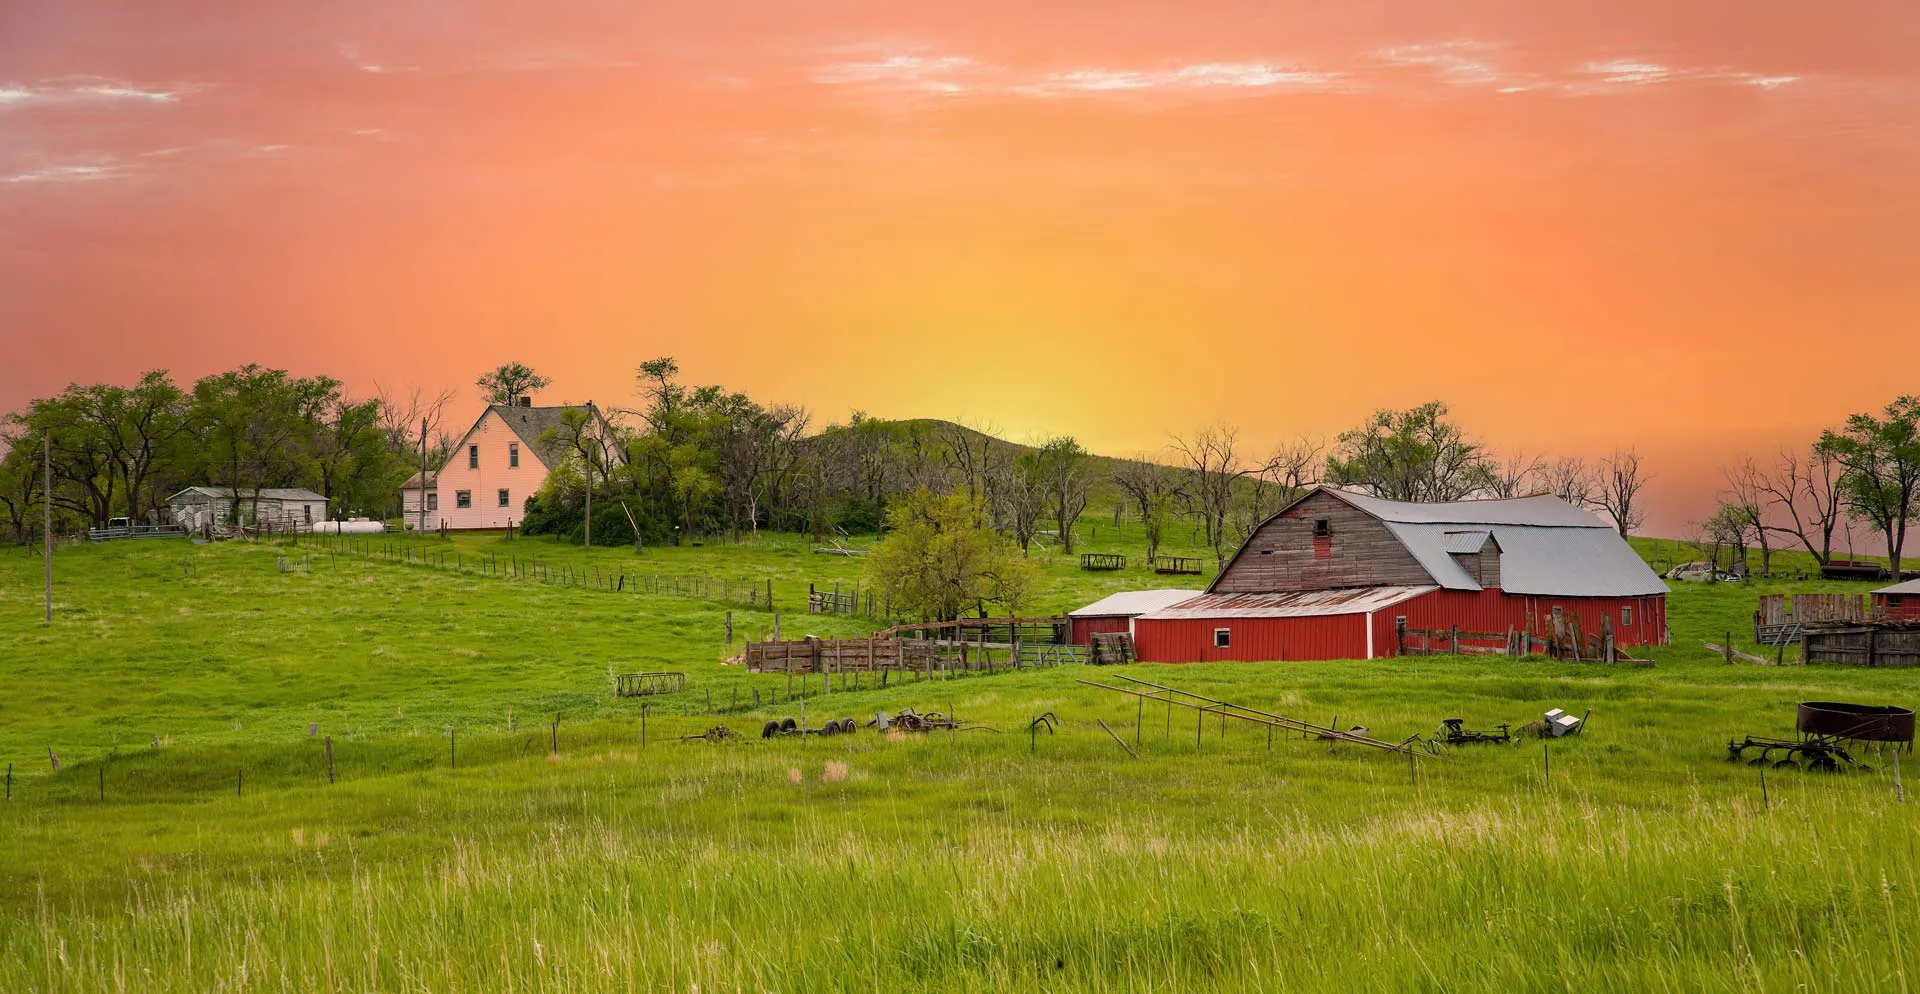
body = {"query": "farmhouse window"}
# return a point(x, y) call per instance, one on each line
point(504, 499)
point(513, 455)
point(433, 501)
point(1222, 637)
point(463, 498)
point(473, 457)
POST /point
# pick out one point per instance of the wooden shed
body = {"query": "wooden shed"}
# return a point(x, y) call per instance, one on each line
point(1339, 575)
point(1900, 602)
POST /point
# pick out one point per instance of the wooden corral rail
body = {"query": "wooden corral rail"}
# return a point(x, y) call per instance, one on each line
point(1178, 565)
point(1565, 642)
point(114, 532)
point(646, 684)
point(1102, 561)
point(815, 655)
point(1782, 616)
point(1887, 643)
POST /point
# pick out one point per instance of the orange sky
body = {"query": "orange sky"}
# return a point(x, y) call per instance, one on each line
point(1583, 224)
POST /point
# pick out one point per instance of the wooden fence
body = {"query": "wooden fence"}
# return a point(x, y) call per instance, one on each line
point(1564, 640)
point(1781, 617)
point(1882, 644)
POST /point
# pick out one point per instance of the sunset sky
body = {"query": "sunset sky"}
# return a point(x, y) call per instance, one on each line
point(1689, 227)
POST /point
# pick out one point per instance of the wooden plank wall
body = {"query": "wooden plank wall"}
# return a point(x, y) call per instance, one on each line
point(1863, 645)
point(1279, 554)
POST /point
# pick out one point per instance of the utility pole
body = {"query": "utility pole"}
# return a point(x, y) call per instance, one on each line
point(46, 526)
point(423, 477)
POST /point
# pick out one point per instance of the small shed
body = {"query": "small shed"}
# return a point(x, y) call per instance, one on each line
point(1900, 602)
point(283, 508)
point(1114, 613)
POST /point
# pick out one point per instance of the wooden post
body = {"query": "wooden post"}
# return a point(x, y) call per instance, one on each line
point(1726, 649)
point(329, 759)
point(1453, 645)
point(451, 759)
point(239, 780)
point(729, 629)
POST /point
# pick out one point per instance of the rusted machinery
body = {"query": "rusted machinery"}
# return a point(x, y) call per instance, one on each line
point(1453, 731)
point(778, 727)
point(1827, 729)
point(909, 720)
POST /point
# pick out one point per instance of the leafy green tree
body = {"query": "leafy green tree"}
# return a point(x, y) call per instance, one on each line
point(508, 382)
point(1880, 456)
point(937, 561)
point(349, 456)
point(1411, 455)
point(255, 426)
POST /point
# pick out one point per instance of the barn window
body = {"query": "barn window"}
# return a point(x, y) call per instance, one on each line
point(463, 498)
point(1626, 615)
point(1222, 637)
point(513, 455)
point(1322, 528)
point(504, 499)
point(433, 501)
point(473, 457)
point(1893, 601)
point(307, 511)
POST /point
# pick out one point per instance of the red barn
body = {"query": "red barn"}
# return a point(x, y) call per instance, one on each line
point(1115, 612)
point(1900, 602)
point(1334, 574)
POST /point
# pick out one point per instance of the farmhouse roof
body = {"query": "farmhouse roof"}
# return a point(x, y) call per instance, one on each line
point(246, 493)
point(1132, 603)
point(1292, 604)
point(413, 482)
point(1909, 587)
point(531, 424)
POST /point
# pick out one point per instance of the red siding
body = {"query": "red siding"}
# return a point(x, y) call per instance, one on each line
point(1494, 612)
point(1344, 636)
point(1909, 609)
point(1085, 628)
point(1334, 636)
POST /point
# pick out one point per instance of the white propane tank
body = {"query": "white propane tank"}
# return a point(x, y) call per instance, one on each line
point(357, 526)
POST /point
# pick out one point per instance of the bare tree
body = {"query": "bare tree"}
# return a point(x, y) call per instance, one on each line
point(1288, 473)
point(970, 452)
point(1572, 480)
point(1809, 494)
point(1213, 469)
point(1021, 496)
point(1518, 475)
point(1621, 480)
point(1745, 500)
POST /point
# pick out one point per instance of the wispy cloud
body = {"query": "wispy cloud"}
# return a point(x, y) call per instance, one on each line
point(69, 173)
point(89, 90)
point(960, 75)
point(1458, 63)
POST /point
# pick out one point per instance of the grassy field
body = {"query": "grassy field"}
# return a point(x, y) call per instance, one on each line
point(191, 840)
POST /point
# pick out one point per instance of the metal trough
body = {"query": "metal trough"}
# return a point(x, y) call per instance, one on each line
point(1865, 722)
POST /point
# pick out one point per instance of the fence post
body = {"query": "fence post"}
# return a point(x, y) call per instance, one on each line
point(329, 759)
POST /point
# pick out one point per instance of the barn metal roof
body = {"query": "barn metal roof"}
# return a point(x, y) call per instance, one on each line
point(1293, 604)
point(1544, 511)
point(1909, 587)
point(1131, 603)
point(1466, 543)
point(1546, 561)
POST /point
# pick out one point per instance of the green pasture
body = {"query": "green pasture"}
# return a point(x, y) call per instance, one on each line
point(191, 840)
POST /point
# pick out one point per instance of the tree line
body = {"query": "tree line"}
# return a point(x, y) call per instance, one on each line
point(120, 451)
point(1862, 473)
